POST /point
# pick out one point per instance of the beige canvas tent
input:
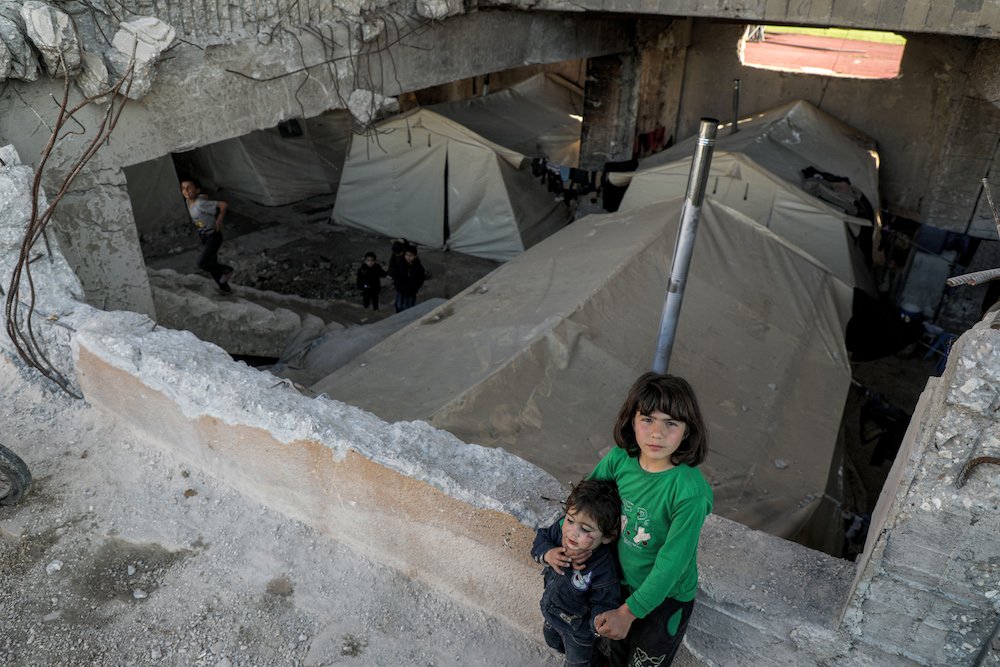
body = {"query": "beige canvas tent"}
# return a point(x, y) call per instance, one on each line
point(536, 357)
point(789, 138)
point(740, 183)
point(424, 177)
point(540, 117)
point(269, 168)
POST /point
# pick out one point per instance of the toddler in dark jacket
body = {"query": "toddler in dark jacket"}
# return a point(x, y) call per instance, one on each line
point(573, 597)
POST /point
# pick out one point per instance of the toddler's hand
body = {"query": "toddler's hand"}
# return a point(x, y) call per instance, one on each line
point(557, 559)
point(579, 557)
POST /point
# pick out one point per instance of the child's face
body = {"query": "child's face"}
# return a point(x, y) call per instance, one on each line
point(189, 190)
point(370, 261)
point(580, 531)
point(409, 256)
point(658, 436)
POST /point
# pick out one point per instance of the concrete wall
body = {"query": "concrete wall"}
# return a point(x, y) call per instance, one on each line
point(935, 139)
point(928, 583)
point(978, 18)
point(474, 554)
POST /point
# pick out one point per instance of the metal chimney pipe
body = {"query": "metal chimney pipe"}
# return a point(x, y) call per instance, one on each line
point(736, 106)
point(684, 243)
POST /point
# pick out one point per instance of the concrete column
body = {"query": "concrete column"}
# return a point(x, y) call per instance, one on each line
point(611, 100)
point(928, 584)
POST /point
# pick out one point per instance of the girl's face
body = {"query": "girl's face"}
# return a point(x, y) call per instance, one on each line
point(658, 436)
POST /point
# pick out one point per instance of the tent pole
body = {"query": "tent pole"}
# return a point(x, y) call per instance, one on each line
point(684, 244)
point(736, 106)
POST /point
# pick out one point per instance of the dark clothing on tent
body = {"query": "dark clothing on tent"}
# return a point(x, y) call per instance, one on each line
point(370, 283)
point(407, 278)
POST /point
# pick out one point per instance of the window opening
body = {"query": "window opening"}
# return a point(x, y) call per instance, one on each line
point(859, 54)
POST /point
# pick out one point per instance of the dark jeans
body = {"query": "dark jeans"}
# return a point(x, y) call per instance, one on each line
point(578, 652)
point(649, 640)
point(404, 301)
point(370, 295)
point(208, 260)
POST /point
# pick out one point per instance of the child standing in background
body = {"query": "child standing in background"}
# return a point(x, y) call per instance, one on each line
point(207, 215)
point(370, 280)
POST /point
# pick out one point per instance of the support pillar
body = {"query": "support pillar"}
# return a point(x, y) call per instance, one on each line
point(611, 100)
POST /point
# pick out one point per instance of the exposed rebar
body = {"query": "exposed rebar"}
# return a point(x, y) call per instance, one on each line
point(974, 278)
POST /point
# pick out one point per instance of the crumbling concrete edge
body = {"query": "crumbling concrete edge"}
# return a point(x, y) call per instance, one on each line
point(457, 517)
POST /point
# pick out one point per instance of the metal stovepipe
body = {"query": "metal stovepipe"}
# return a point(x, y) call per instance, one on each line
point(684, 244)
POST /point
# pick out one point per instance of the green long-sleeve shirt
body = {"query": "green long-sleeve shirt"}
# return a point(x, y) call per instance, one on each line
point(664, 512)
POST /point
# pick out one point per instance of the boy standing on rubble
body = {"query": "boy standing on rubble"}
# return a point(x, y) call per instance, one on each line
point(407, 277)
point(575, 594)
point(207, 215)
point(370, 280)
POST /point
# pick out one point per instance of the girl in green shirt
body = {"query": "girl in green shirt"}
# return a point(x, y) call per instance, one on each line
point(661, 438)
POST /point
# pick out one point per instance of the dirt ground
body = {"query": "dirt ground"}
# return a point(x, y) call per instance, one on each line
point(296, 249)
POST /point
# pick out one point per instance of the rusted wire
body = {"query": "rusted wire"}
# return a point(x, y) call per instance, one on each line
point(19, 326)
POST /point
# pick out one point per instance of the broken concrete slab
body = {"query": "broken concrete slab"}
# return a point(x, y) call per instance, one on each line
point(93, 78)
point(138, 46)
point(367, 106)
point(438, 10)
point(234, 321)
point(23, 62)
point(53, 33)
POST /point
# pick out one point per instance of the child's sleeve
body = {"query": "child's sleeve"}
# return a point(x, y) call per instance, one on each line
point(603, 469)
point(545, 539)
point(674, 558)
point(605, 594)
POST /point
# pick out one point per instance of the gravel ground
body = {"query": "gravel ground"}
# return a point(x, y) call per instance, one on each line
point(120, 555)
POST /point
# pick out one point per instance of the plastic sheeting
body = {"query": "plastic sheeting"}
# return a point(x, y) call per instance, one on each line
point(741, 184)
point(539, 117)
point(537, 356)
point(396, 180)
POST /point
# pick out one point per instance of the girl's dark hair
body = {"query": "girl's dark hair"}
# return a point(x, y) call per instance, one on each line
point(673, 396)
point(598, 498)
point(192, 181)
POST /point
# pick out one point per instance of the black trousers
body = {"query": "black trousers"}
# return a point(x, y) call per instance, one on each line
point(650, 640)
point(208, 260)
point(369, 295)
